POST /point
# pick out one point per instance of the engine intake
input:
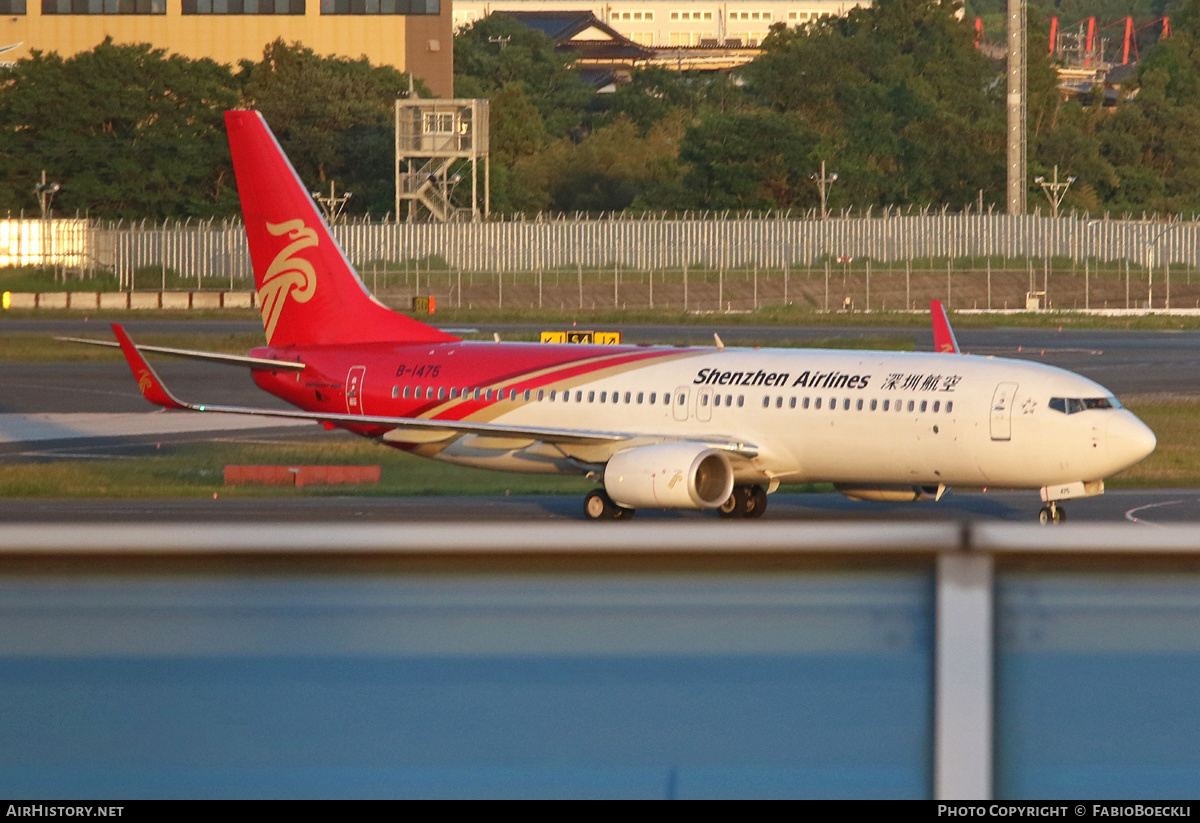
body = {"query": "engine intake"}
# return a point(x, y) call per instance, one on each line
point(669, 476)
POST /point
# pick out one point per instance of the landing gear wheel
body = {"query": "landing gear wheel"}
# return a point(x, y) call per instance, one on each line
point(735, 506)
point(599, 506)
point(756, 501)
point(745, 501)
point(1052, 514)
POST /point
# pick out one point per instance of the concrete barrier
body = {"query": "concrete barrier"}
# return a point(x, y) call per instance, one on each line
point(239, 299)
point(176, 300)
point(114, 300)
point(300, 475)
point(207, 299)
point(52, 300)
point(144, 300)
point(22, 300)
point(85, 300)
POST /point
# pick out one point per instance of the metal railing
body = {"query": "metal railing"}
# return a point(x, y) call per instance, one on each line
point(963, 556)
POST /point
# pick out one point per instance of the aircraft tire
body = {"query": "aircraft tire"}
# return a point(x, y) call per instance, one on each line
point(597, 505)
point(756, 501)
point(735, 506)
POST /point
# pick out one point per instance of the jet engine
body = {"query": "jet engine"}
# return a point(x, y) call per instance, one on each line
point(669, 476)
point(891, 493)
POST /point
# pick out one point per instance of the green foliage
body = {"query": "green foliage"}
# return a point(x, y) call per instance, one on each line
point(906, 107)
point(497, 52)
point(128, 130)
point(333, 116)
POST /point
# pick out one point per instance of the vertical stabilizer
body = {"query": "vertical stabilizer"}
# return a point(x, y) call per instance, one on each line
point(308, 293)
point(943, 336)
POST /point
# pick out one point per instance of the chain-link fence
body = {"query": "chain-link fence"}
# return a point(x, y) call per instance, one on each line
point(706, 262)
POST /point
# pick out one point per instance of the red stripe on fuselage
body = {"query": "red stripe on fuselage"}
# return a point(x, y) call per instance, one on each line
point(321, 386)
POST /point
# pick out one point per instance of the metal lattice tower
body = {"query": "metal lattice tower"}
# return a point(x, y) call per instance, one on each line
point(1017, 105)
point(438, 143)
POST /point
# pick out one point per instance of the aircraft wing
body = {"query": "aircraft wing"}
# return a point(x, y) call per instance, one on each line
point(154, 390)
point(212, 357)
point(943, 336)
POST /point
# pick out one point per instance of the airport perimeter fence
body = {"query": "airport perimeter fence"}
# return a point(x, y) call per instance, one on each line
point(702, 262)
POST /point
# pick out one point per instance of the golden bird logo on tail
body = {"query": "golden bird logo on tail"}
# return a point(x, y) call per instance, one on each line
point(287, 275)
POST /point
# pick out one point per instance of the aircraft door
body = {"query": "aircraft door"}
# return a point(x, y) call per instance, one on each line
point(354, 381)
point(679, 403)
point(1002, 402)
point(704, 405)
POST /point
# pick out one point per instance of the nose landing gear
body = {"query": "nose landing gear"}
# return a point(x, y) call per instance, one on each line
point(1051, 513)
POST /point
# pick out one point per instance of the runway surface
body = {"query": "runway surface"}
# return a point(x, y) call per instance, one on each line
point(58, 410)
point(1148, 507)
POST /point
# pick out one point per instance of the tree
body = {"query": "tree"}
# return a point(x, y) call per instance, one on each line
point(129, 131)
point(499, 51)
point(333, 116)
point(752, 161)
point(905, 106)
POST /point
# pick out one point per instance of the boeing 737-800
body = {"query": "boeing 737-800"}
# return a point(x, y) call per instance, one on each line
point(656, 427)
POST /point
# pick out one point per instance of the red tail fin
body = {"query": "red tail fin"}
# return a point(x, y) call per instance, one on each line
point(308, 292)
point(943, 335)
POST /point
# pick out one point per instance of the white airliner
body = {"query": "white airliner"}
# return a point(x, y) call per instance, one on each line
point(656, 427)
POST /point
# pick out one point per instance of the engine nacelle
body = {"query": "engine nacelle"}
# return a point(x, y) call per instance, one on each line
point(669, 476)
point(891, 493)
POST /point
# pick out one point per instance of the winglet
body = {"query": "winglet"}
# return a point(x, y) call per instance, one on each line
point(149, 384)
point(943, 336)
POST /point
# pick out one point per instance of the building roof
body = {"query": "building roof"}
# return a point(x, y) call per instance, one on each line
point(582, 33)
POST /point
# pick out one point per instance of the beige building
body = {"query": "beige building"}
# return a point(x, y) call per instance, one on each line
point(412, 35)
point(675, 23)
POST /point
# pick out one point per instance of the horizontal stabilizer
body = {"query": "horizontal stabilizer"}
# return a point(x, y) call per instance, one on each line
point(210, 356)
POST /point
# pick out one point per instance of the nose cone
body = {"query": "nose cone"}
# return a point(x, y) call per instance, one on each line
point(1129, 440)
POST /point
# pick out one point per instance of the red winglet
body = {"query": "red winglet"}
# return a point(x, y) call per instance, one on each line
point(149, 384)
point(943, 335)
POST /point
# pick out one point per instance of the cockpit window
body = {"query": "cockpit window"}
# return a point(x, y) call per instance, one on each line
point(1072, 405)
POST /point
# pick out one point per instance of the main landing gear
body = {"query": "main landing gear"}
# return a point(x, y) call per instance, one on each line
point(1051, 513)
point(746, 501)
point(599, 506)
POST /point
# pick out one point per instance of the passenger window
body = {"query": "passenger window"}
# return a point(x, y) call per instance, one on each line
point(528, 394)
point(859, 405)
point(541, 394)
point(846, 404)
point(639, 398)
point(806, 403)
point(729, 400)
point(923, 405)
point(936, 405)
point(488, 394)
point(442, 393)
point(911, 405)
point(591, 397)
point(818, 404)
point(885, 404)
point(741, 400)
point(949, 406)
point(395, 392)
point(578, 397)
point(653, 397)
point(874, 405)
point(779, 402)
point(766, 402)
point(716, 399)
point(405, 394)
point(792, 403)
point(553, 394)
point(704, 400)
point(628, 395)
